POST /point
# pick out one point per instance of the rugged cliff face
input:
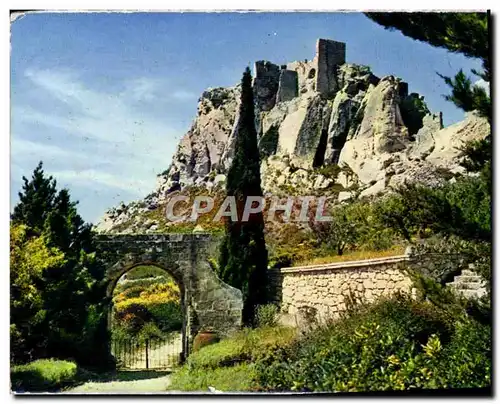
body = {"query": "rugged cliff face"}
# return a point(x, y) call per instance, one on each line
point(314, 117)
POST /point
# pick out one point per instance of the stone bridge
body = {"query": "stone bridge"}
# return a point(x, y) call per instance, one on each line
point(206, 301)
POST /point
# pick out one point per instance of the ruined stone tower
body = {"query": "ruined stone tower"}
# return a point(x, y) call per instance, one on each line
point(329, 55)
point(274, 84)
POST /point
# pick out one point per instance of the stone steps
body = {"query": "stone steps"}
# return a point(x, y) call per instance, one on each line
point(472, 294)
point(469, 284)
point(468, 272)
point(467, 279)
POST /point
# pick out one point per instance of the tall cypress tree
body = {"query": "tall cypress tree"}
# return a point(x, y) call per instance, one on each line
point(243, 254)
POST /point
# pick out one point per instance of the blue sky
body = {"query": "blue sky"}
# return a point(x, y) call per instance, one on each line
point(104, 98)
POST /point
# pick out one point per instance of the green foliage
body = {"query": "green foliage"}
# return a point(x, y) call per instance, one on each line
point(43, 375)
point(459, 32)
point(396, 344)
point(467, 96)
point(413, 109)
point(289, 244)
point(245, 346)
point(267, 315)
point(462, 208)
point(147, 305)
point(478, 154)
point(354, 226)
point(29, 258)
point(243, 254)
point(68, 289)
point(268, 144)
point(146, 271)
point(227, 379)
point(330, 171)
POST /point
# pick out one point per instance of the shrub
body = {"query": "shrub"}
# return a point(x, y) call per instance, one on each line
point(133, 317)
point(462, 208)
point(145, 301)
point(146, 271)
point(355, 226)
point(245, 346)
point(267, 315)
point(227, 379)
point(396, 344)
point(43, 375)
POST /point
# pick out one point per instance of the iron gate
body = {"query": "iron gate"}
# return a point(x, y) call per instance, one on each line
point(151, 353)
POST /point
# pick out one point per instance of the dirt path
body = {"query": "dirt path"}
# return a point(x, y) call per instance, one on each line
point(126, 383)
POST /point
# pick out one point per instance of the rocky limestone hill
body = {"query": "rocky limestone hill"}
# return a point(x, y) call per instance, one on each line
point(325, 127)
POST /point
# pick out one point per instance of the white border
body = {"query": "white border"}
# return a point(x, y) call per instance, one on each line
point(151, 5)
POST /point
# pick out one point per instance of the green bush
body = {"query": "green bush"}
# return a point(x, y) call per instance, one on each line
point(396, 344)
point(146, 271)
point(267, 315)
point(142, 283)
point(168, 316)
point(462, 208)
point(227, 379)
point(355, 226)
point(43, 375)
point(228, 364)
point(245, 346)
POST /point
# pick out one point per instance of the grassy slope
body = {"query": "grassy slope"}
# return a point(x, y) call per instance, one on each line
point(228, 365)
point(353, 256)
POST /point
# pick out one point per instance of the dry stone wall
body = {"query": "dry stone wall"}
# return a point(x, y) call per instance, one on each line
point(323, 290)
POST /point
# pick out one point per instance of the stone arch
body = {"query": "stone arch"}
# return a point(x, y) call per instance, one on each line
point(207, 301)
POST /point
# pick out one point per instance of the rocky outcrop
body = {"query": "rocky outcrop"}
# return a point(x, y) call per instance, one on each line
point(199, 155)
point(312, 116)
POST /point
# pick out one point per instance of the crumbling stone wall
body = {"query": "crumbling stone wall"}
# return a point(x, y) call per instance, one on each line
point(206, 301)
point(288, 87)
point(323, 290)
point(329, 55)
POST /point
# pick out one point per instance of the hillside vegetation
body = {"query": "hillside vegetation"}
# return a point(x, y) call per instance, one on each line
point(146, 304)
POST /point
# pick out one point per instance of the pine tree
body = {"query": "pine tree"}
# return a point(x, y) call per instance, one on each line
point(68, 290)
point(243, 255)
point(36, 200)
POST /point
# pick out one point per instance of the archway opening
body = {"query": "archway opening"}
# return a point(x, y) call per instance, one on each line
point(147, 318)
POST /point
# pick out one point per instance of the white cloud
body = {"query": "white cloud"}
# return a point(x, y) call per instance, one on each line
point(142, 89)
point(183, 95)
point(20, 147)
point(484, 84)
point(100, 138)
point(92, 177)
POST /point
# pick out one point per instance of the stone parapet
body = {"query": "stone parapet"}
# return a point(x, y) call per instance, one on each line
point(323, 291)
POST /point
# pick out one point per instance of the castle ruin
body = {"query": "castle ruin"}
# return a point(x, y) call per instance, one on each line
point(274, 84)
